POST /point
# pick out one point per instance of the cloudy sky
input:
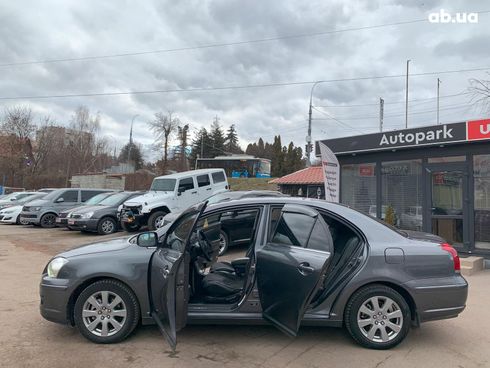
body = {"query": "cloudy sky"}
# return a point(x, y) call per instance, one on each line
point(38, 31)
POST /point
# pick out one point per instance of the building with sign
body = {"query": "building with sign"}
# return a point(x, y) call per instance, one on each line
point(434, 179)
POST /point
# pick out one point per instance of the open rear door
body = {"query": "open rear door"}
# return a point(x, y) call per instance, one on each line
point(291, 267)
point(169, 276)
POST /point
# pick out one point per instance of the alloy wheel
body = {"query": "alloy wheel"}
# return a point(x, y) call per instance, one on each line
point(104, 313)
point(380, 319)
point(107, 227)
point(48, 220)
point(159, 222)
point(222, 244)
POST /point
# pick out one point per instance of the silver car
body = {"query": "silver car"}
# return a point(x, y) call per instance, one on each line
point(309, 262)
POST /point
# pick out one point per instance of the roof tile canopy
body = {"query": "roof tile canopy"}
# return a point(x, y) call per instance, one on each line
point(310, 175)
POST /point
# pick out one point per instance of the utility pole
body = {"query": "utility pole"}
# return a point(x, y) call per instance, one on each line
point(438, 87)
point(381, 113)
point(131, 137)
point(406, 97)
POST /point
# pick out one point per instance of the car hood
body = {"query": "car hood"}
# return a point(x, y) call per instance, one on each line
point(99, 247)
point(12, 208)
point(94, 208)
point(148, 198)
point(38, 203)
point(419, 235)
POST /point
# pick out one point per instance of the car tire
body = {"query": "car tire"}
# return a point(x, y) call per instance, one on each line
point(90, 319)
point(155, 220)
point(224, 242)
point(106, 226)
point(130, 228)
point(48, 220)
point(374, 324)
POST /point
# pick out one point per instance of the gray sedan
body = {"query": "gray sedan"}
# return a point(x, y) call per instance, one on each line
point(309, 262)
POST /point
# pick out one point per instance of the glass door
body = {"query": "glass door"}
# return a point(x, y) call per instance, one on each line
point(448, 205)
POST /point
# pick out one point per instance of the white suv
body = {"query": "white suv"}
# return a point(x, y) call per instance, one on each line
point(171, 193)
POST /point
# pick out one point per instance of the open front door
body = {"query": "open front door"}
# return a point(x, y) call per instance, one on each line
point(169, 277)
point(291, 267)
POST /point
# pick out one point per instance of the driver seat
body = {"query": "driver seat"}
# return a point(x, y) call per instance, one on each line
point(222, 287)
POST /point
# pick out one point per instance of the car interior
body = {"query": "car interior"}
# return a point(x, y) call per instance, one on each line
point(214, 281)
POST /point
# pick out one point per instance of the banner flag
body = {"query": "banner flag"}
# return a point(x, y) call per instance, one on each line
point(331, 173)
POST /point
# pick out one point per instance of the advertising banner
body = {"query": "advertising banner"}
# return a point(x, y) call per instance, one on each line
point(331, 173)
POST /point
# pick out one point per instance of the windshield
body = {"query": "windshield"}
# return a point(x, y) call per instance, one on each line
point(11, 196)
point(31, 198)
point(98, 198)
point(114, 199)
point(163, 185)
point(54, 194)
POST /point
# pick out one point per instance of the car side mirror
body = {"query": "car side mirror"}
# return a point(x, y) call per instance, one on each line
point(180, 190)
point(148, 239)
point(59, 200)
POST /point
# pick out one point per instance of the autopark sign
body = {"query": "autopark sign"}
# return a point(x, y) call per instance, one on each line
point(474, 130)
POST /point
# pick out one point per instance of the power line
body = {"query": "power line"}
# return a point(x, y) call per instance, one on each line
point(265, 85)
point(224, 44)
point(396, 102)
point(208, 46)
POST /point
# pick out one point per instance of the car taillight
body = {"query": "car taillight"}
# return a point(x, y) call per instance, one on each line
point(448, 248)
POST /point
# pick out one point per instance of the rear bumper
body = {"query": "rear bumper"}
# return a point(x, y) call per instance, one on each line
point(439, 298)
point(54, 296)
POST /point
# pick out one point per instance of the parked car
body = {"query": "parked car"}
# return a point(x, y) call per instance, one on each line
point(311, 262)
point(11, 215)
point(13, 199)
point(62, 218)
point(171, 193)
point(234, 229)
point(100, 217)
point(412, 218)
point(43, 212)
point(47, 190)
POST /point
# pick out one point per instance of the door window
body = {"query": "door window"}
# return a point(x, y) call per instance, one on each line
point(186, 184)
point(218, 177)
point(203, 181)
point(69, 196)
point(87, 194)
point(293, 229)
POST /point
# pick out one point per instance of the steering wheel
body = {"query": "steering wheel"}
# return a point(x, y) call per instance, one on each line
point(205, 245)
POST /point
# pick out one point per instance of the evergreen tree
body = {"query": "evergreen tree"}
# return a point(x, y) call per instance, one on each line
point(231, 140)
point(200, 145)
point(217, 137)
point(135, 155)
point(277, 159)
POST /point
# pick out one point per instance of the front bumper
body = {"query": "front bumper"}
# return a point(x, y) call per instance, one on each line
point(83, 224)
point(439, 298)
point(7, 218)
point(31, 217)
point(55, 296)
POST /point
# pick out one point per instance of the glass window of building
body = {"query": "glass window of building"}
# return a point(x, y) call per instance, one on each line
point(402, 194)
point(481, 171)
point(358, 187)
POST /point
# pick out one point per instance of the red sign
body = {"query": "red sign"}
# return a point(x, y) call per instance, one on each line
point(478, 129)
point(366, 170)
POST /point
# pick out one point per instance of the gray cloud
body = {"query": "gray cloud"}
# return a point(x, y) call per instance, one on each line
point(33, 31)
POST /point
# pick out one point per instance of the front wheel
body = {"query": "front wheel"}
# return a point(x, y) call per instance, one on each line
point(377, 317)
point(107, 226)
point(48, 220)
point(155, 221)
point(224, 241)
point(106, 312)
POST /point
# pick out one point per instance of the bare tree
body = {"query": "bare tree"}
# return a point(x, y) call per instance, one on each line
point(18, 122)
point(480, 90)
point(183, 133)
point(163, 126)
point(47, 142)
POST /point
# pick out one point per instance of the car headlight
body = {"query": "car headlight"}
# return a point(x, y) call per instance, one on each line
point(7, 211)
point(55, 266)
point(35, 208)
point(87, 215)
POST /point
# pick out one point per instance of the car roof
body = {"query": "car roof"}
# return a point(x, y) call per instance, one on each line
point(190, 172)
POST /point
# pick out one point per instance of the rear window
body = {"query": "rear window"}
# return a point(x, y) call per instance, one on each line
point(218, 177)
point(203, 181)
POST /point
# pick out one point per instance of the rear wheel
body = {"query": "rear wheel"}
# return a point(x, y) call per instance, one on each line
point(155, 220)
point(107, 226)
point(48, 220)
point(377, 317)
point(106, 312)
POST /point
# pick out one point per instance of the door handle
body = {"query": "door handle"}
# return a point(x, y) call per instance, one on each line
point(194, 192)
point(208, 189)
point(304, 268)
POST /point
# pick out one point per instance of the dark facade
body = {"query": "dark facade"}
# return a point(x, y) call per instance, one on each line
point(434, 179)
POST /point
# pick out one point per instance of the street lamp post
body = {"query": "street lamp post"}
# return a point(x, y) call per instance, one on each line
point(308, 137)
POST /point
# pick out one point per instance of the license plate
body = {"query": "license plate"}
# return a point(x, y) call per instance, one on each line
point(71, 222)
